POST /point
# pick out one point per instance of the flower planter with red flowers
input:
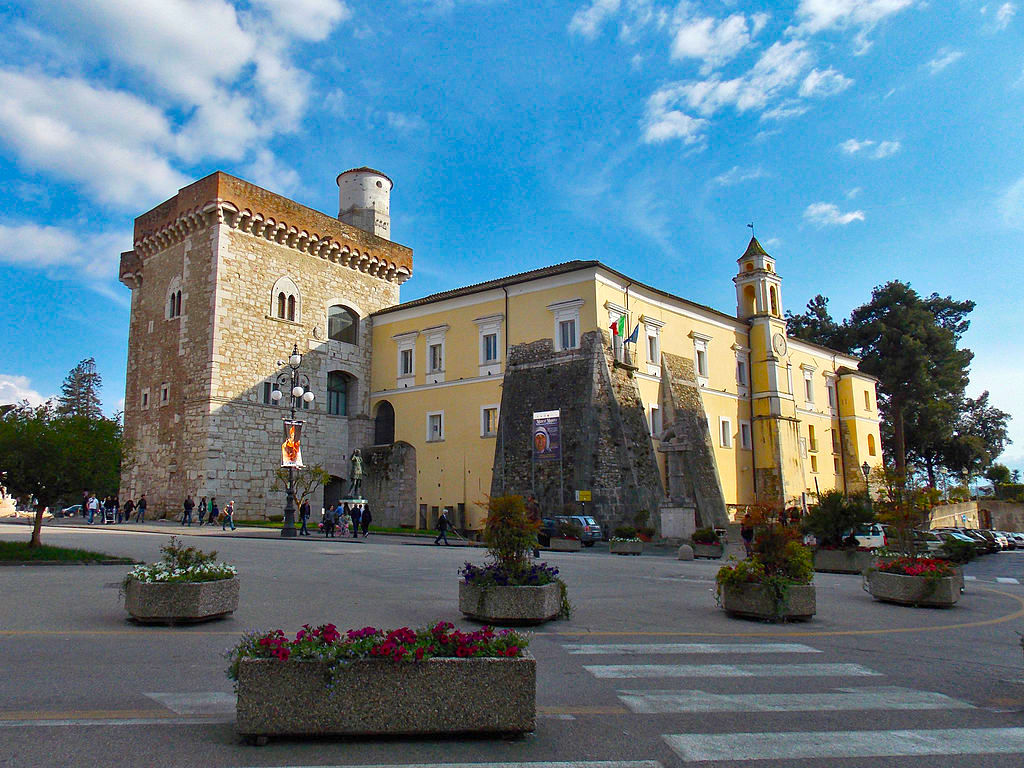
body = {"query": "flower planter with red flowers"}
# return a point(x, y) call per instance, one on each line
point(369, 682)
point(916, 581)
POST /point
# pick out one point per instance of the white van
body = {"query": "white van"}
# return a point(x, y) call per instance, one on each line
point(871, 535)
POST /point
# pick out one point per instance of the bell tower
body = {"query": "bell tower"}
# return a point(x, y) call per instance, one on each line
point(777, 474)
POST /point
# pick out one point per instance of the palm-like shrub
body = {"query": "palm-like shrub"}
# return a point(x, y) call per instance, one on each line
point(509, 533)
point(834, 515)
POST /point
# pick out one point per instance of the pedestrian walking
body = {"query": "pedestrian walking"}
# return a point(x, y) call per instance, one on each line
point(327, 522)
point(129, 507)
point(108, 511)
point(93, 506)
point(214, 511)
point(304, 516)
point(747, 533)
point(229, 516)
point(341, 518)
point(442, 528)
point(189, 505)
point(354, 512)
point(202, 510)
point(140, 510)
point(118, 515)
point(364, 519)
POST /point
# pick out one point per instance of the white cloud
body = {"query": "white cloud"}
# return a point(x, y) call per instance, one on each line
point(861, 15)
point(14, 389)
point(266, 171)
point(786, 109)
point(310, 20)
point(92, 259)
point(589, 20)
point(714, 41)
point(881, 149)
point(1005, 15)
point(853, 193)
point(662, 123)
point(824, 82)
point(943, 59)
point(404, 123)
point(1011, 204)
point(112, 143)
point(829, 215)
point(738, 175)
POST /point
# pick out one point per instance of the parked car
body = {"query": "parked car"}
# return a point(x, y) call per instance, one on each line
point(871, 535)
point(987, 537)
point(589, 529)
point(928, 543)
point(980, 545)
point(1011, 540)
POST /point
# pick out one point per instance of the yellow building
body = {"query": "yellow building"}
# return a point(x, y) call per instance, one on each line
point(784, 418)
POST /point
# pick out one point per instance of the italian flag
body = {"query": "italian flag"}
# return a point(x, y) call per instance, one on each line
point(619, 326)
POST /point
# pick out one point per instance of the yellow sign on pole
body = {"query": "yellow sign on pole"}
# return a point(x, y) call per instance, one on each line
point(583, 496)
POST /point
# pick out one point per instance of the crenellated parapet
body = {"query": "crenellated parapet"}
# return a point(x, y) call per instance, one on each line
point(248, 209)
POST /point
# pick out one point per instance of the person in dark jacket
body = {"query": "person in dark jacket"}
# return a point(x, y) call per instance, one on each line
point(364, 520)
point(354, 512)
point(304, 517)
point(214, 510)
point(140, 510)
point(442, 528)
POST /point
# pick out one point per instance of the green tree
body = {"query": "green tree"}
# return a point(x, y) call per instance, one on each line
point(307, 479)
point(80, 392)
point(51, 456)
point(910, 344)
point(834, 515)
point(817, 326)
point(998, 474)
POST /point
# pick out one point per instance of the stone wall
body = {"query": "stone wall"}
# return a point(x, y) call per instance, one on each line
point(389, 484)
point(606, 447)
point(1006, 516)
point(690, 455)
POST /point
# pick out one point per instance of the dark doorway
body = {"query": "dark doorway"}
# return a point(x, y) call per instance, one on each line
point(384, 424)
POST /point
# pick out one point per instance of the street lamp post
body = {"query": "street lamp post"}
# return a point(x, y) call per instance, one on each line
point(866, 469)
point(298, 390)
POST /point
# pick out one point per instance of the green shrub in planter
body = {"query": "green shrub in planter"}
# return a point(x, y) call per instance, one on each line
point(958, 551)
point(705, 536)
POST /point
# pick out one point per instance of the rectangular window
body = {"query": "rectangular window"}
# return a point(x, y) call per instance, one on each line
point(145, 398)
point(702, 363)
point(405, 365)
point(165, 393)
point(435, 426)
point(489, 421)
point(814, 463)
point(268, 390)
point(653, 355)
point(567, 334)
point(436, 360)
point(741, 373)
point(808, 388)
point(831, 389)
point(490, 347)
point(867, 400)
point(656, 426)
point(835, 464)
point(746, 441)
point(835, 441)
point(812, 439)
point(725, 429)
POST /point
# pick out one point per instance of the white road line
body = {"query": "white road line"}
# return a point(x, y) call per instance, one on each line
point(202, 703)
point(727, 747)
point(970, 578)
point(636, 671)
point(147, 721)
point(1006, 580)
point(637, 649)
point(843, 699)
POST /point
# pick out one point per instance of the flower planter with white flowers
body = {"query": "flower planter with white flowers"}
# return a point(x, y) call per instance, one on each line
point(369, 682)
point(626, 546)
point(187, 585)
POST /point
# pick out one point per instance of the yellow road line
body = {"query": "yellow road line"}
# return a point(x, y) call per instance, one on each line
point(88, 714)
point(582, 711)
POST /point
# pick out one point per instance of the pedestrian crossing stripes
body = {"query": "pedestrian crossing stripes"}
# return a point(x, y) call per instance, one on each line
point(843, 699)
point(639, 671)
point(1006, 580)
point(789, 745)
point(637, 649)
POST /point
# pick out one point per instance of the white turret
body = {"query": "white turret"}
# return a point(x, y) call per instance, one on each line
point(364, 200)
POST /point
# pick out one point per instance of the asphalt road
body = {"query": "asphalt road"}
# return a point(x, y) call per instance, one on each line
point(647, 672)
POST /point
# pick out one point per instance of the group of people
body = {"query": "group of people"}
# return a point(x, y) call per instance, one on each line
point(226, 516)
point(110, 509)
point(343, 517)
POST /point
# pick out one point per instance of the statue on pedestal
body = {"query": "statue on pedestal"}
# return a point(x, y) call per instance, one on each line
point(355, 477)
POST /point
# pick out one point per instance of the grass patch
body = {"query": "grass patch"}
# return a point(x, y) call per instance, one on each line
point(311, 527)
point(20, 551)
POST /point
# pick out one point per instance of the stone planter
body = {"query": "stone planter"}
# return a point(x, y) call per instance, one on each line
point(381, 697)
point(180, 602)
point(626, 547)
point(842, 561)
point(714, 551)
point(753, 601)
point(510, 605)
point(913, 590)
point(565, 545)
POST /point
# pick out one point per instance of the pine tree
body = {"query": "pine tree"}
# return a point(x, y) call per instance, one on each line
point(80, 392)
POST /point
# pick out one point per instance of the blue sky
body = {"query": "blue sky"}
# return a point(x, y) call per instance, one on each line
point(866, 139)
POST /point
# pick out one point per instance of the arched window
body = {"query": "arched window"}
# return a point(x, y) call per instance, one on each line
point(286, 301)
point(751, 299)
point(177, 304)
point(384, 424)
point(170, 307)
point(871, 445)
point(174, 299)
point(775, 301)
point(342, 324)
point(340, 393)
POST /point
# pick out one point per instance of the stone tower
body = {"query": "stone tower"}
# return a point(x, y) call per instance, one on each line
point(364, 200)
point(226, 277)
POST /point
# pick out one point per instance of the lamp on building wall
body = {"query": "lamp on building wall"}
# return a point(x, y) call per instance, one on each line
point(297, 385)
